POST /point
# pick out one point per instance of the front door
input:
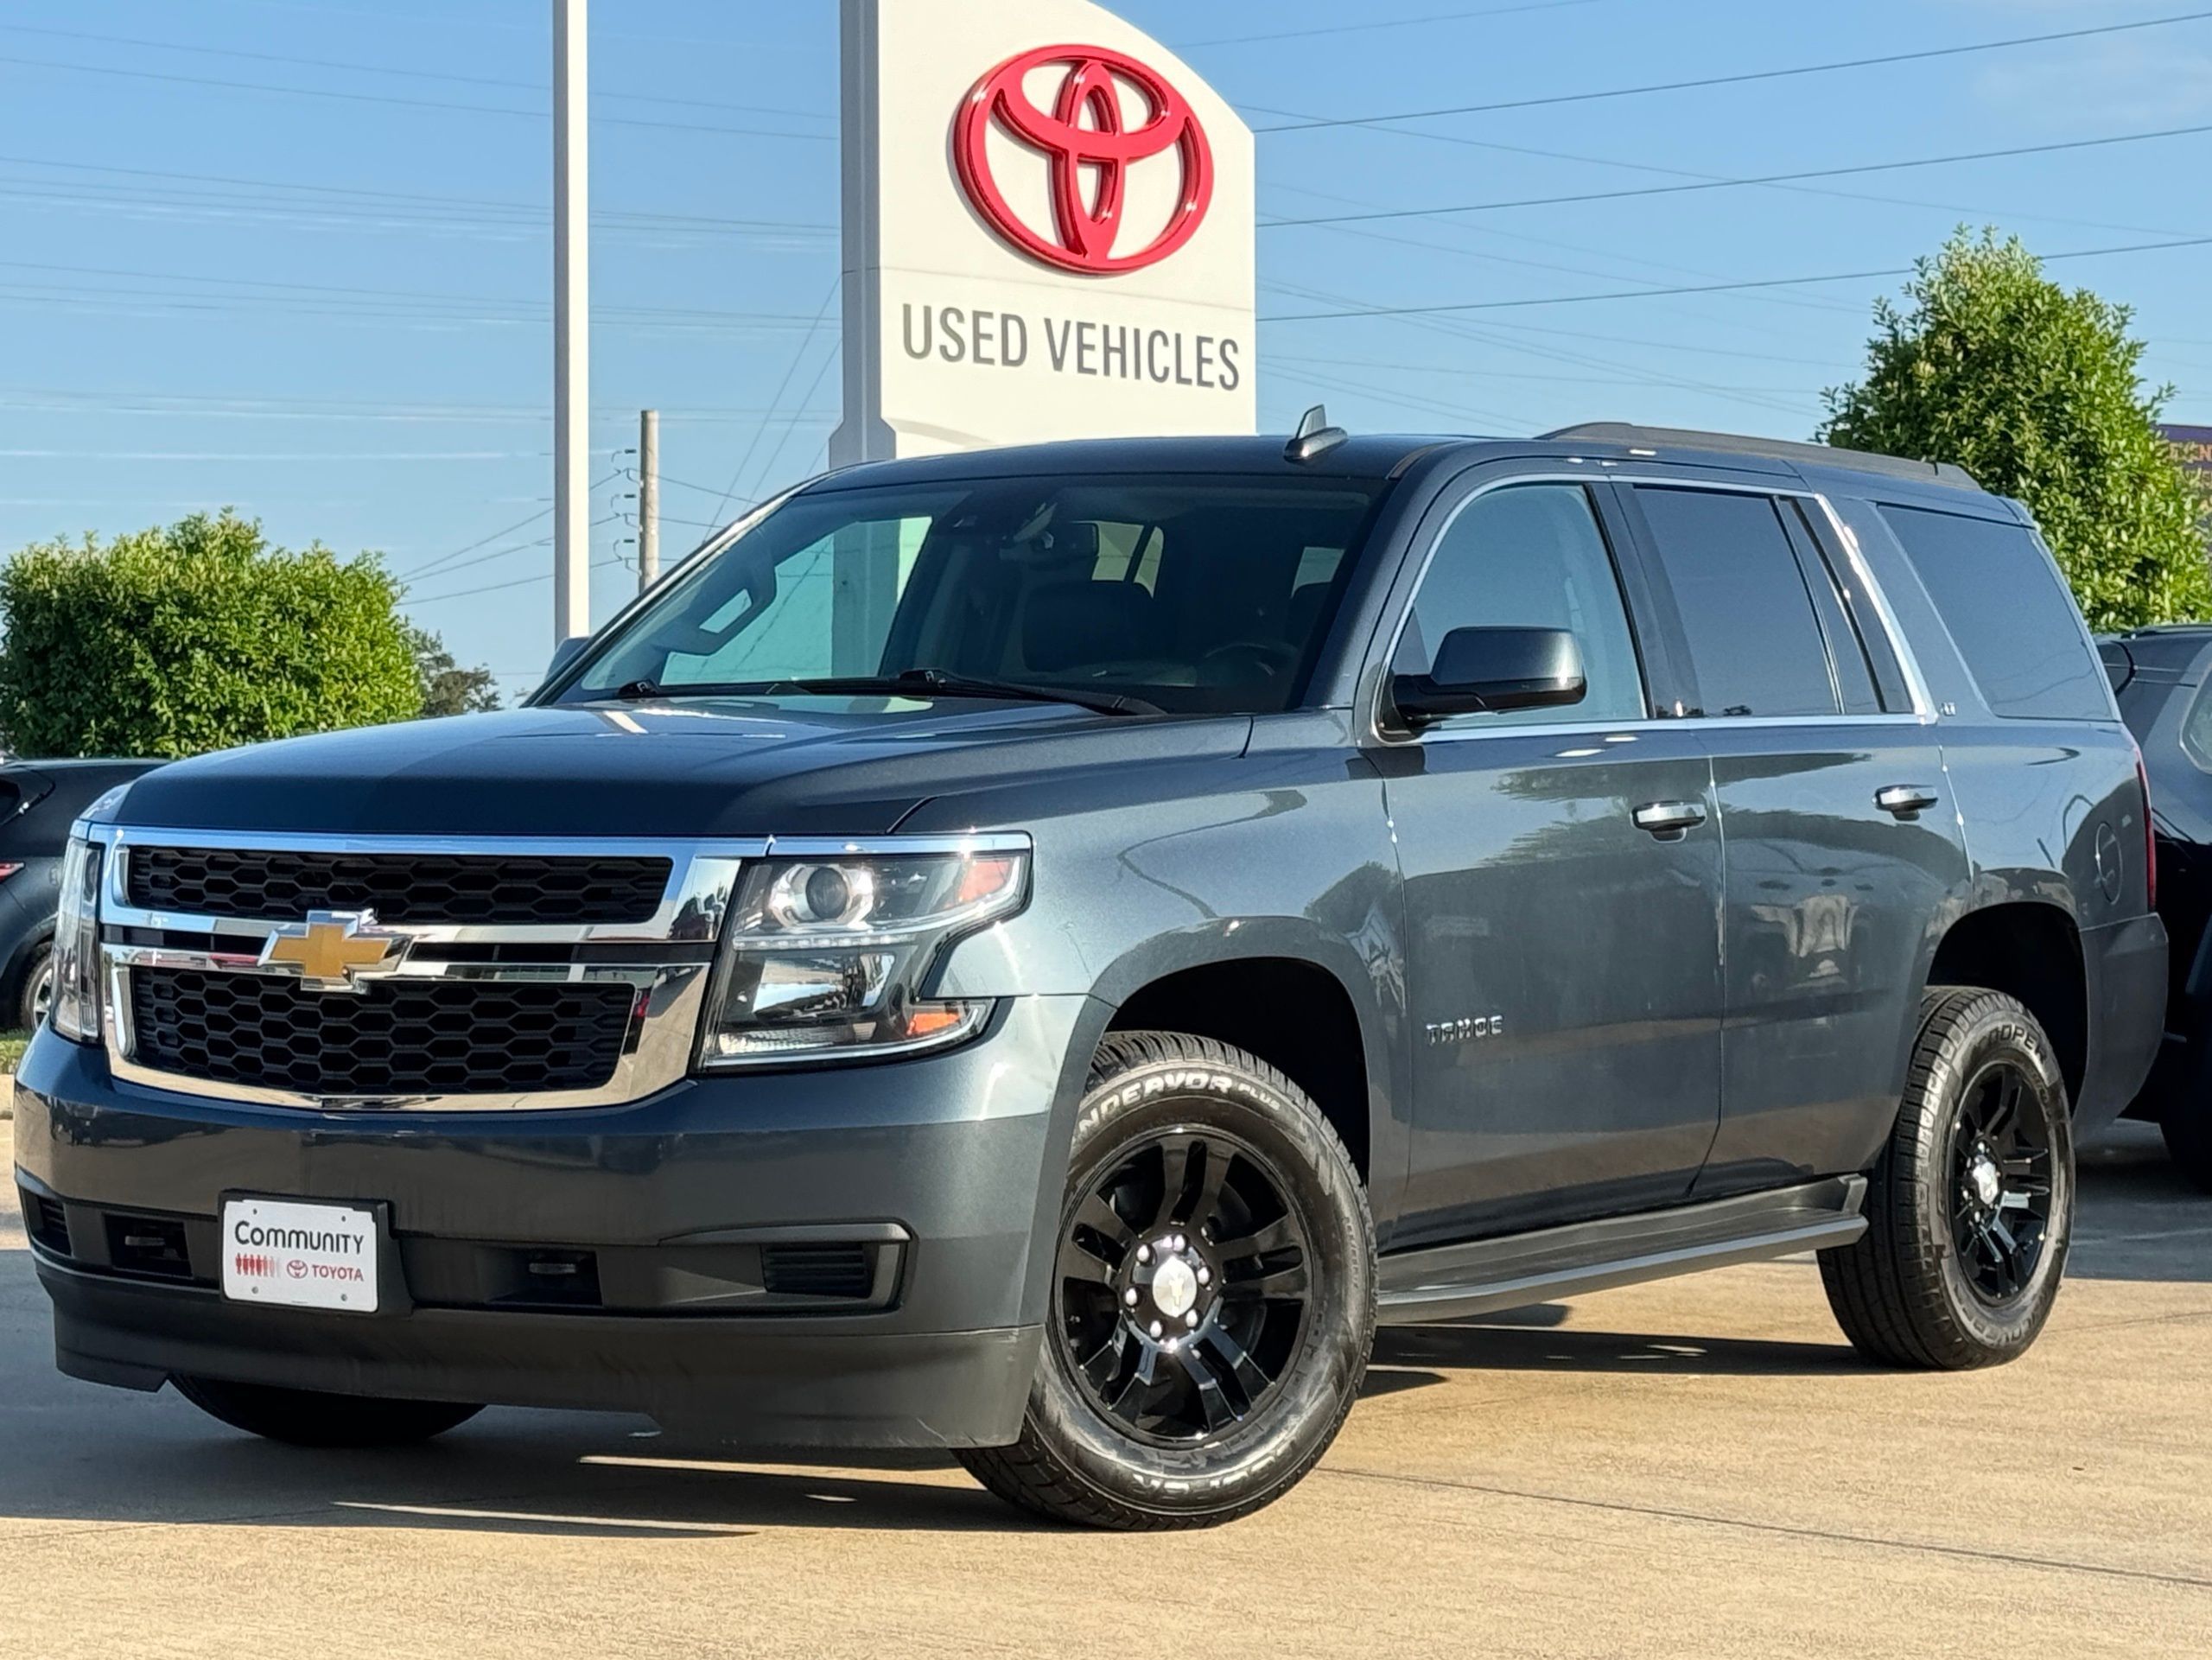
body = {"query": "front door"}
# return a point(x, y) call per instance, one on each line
point(1562, 884)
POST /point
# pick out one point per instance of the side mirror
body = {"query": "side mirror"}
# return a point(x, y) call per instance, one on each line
point(1490, 670)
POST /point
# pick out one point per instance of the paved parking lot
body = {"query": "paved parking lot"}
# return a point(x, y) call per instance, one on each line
point(1697, 1468)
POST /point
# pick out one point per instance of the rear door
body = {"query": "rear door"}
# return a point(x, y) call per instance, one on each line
point(1841, 845)
point(1563, 962)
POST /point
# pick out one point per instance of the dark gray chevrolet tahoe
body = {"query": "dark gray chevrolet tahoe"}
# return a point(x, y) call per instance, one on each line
point(1037, 952)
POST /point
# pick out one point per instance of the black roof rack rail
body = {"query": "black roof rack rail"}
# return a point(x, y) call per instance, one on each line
point(1630, 435)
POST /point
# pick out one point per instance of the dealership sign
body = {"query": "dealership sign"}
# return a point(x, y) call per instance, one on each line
point(1048, 226)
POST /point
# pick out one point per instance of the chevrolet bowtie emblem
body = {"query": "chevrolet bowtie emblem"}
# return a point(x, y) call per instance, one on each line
point(335, 950)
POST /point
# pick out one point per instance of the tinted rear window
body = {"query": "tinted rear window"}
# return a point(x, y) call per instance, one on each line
point(1755, 640)
point(2012, 620)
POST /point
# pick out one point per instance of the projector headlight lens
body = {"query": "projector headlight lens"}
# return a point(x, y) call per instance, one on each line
point(826, 956)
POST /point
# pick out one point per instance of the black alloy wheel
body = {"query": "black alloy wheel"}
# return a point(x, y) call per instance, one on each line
point(1182, 1285)
point(2001, 1183)
point(1210, 1303)
point(1970, 1205)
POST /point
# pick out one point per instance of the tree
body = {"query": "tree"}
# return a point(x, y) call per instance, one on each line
point(174, 641)
point(2036, 393)
point(448, 688)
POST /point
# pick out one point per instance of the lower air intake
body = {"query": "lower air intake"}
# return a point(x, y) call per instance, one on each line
point(818, 1270)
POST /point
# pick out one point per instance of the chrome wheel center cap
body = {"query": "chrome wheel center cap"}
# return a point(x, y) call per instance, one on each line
point(1987, 1183)
point(1174, 1288)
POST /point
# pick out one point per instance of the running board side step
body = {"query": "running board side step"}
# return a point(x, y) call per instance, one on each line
point(1485, 1275)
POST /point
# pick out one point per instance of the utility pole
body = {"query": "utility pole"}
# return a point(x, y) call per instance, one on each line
point(648, 499)
point(571, 322)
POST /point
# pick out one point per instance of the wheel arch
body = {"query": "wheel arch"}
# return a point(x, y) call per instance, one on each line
point(1287, 1011)
point(2029, 950)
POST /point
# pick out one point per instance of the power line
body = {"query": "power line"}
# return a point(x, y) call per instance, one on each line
point(1434, 368)
point(782, 387)
point(1617, 258)
point(1427, 136)
point(535, 211)
point(1739, 80)
point(405, 102)
point(1736, 183)
point(377, 219)
point(1498, 337)
point(262, 455)
point(171, 405)
point(447, 570)
point(355, 66)
point(440, 561)
point(1387, 22)
point(500, 588)
point(1705, 288)
point(382, 296)
point(155, 303)
point(776, 455)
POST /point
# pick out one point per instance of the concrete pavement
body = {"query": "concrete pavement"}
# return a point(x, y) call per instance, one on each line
point(1696, 1468)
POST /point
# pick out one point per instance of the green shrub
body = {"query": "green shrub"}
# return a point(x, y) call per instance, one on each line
point(2036, 393)
point(174, 641)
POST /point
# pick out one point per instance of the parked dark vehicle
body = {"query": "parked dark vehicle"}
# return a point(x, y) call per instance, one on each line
point(2160, 675)
point(39, 800)
point(1037, 952)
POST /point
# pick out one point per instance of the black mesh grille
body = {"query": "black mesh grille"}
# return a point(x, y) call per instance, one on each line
point(816, 1270)
point(398, 886)
point(424, 1037)
point(48, 1223)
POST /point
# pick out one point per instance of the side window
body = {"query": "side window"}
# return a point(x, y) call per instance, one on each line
point(2010, 616)
point(1530, 555)
point(1755, 639)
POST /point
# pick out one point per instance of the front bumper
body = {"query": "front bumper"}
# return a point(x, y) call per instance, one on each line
point(936, 1177)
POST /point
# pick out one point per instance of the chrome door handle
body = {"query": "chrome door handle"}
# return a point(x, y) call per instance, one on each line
point(1905, 800)
point(1668, 820)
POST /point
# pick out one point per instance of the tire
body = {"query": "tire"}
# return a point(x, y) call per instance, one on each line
point(2186, 1122)
point(1176, 1413)
point(33, 990)
point(1931, 1283)
point(304, 1418)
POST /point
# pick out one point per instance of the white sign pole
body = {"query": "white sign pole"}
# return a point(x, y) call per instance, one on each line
point(862, 436)
point(571, 322)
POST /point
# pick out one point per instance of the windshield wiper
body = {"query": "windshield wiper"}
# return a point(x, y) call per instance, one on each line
point(944, 683)
point(907, 683)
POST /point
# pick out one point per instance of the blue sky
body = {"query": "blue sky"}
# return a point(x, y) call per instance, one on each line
point(330, 310)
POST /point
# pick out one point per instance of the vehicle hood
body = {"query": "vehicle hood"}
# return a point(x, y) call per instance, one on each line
point(803, 766)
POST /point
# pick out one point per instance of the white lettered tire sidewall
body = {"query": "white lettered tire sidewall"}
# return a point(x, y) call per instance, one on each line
point(2004, 1033)
point(1205, 1084)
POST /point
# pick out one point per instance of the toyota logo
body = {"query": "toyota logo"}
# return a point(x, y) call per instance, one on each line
point(1089, 148)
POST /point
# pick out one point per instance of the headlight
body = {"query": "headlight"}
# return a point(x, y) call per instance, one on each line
point(76, 1011)
point(825, 957)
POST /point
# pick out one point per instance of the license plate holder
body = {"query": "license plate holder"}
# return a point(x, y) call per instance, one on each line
point(327, 1255)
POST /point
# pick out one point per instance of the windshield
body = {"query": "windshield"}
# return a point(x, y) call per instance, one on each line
point(1194, 596)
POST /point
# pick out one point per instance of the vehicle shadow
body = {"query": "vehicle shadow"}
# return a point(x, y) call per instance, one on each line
point(532, 1474)
point(1426, 1353)
point(2139, 1217)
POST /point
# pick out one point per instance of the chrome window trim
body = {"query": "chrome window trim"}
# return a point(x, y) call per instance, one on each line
point(1921, 713)
point(1924, 701)
point(663, 1041)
